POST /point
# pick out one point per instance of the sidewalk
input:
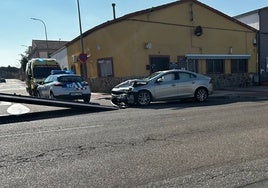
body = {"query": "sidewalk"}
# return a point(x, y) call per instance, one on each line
point(101, 98)
point(253, 92)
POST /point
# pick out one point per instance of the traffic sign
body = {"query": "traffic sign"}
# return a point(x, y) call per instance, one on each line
point(82, 57)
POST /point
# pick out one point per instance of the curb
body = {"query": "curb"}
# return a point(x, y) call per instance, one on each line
point(231, 97)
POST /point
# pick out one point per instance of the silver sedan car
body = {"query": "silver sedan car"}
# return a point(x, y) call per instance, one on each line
point(163, 86)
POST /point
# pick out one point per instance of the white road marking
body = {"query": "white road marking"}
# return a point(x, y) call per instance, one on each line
point(5, 103)
point(17, 109)
point(50, 131)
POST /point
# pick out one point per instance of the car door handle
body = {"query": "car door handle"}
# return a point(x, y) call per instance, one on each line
point(173, 85)
point(193, 82)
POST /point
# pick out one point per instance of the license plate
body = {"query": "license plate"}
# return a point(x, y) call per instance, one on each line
point(76, 94)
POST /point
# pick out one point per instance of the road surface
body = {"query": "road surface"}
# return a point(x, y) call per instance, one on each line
point(180, 144)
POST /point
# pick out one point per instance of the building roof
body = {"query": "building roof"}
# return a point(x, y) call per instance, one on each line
point(247, 14)
point(250, 13)
point(41, 45)
point(52, 44)
point(128, 16)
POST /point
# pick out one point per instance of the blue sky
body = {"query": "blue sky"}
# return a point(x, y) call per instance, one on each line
point(61, 19)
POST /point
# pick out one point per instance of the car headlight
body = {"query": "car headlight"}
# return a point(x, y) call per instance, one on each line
point(127, 90)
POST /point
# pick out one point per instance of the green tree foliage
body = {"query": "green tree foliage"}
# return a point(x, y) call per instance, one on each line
point(9, 72)
point(23, 62)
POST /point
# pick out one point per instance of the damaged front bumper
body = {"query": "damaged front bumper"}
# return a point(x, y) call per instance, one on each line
point(124, 99)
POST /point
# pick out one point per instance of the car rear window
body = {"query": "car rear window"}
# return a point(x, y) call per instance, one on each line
point(70, 79)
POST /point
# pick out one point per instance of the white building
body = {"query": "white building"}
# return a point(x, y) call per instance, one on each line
point(61, 56)
point(259, 20)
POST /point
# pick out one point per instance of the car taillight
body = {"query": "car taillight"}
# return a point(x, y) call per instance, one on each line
point(85, 83)
point(210, 82)
point(58, 84)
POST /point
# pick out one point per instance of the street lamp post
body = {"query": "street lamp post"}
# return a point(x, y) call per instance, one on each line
point(83, 65)
point(36, 19)
point(80, 27)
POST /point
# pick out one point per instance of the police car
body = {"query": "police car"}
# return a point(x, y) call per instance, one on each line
point(64, 85)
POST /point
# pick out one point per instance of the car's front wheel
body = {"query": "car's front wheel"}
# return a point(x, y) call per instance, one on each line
point(38, 94)
point(51, 95)
point(201, 94)
point(144, 98)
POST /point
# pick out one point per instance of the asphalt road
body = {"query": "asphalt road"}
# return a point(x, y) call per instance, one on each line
point(180, 144)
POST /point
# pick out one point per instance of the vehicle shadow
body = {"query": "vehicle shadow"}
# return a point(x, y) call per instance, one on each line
point(189, 103)
point(32, 116)
point(173, 105)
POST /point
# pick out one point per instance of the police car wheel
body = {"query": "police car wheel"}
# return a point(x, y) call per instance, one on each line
point(38, 94)
point(86, 100)
point(51, 95)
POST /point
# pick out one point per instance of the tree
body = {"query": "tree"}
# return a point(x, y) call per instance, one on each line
point(23, 62)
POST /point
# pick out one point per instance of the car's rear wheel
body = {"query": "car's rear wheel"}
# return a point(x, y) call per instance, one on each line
point(86, 100)
point(201, 94)
point(144, 98)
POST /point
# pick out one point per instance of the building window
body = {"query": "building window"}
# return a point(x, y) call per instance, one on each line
point(105, 67)
point(188, 64)
point(239, 65)
point(215, 66)
point(159, 63)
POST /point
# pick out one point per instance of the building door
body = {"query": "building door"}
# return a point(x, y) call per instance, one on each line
point(159, 63)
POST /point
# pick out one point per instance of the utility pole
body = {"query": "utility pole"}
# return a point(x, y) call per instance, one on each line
point(82, 55)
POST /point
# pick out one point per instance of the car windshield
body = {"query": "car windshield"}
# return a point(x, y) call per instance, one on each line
point(43, 72)
point(151, 76)
point(70, 79)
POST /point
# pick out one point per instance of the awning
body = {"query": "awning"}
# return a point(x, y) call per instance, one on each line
point(217, 56)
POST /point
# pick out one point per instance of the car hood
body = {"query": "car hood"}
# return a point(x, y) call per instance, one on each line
point(132, 83)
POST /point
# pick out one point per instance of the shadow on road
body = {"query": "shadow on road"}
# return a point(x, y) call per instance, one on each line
point(41, 115)
point(173, 105)
point(176, 105)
